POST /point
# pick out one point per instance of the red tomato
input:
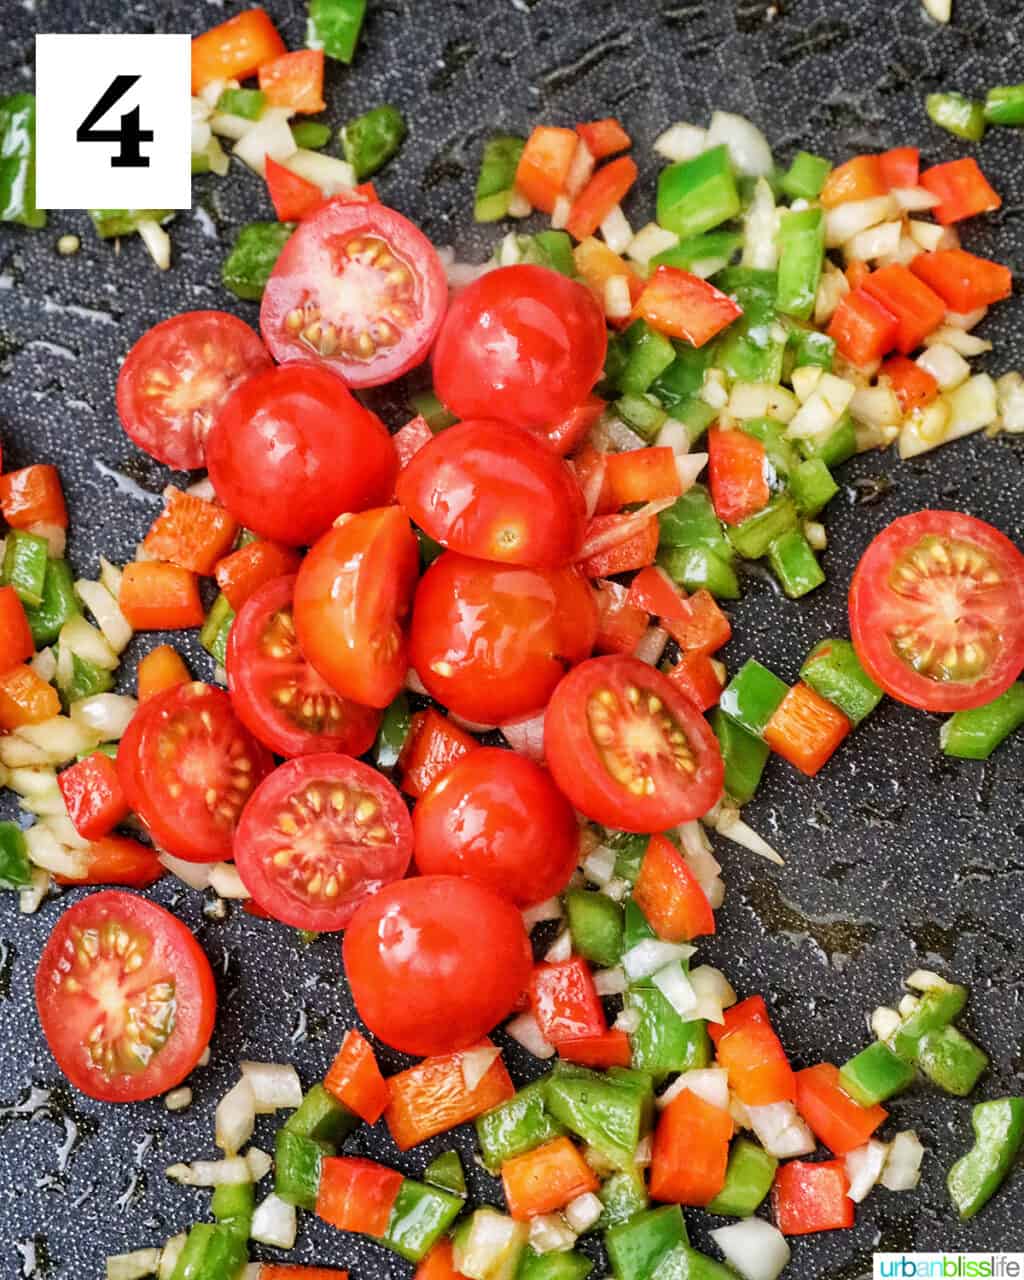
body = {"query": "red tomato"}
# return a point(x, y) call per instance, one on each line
point(352, 596)
point(492, 490)
point(937, 611)
point(178, 376)
point(628, 749)
point(435, 962)
point(498, 818)
point(187, 766)
point(521, 344)
point(277, 694)
point(293, 449)
point(126, 997)
point(357, 287)
point(320, 835)
point(491, 641)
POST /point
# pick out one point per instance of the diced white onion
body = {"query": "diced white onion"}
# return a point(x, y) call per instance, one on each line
point(526, 737)
point(644, 1151)
point(924, 428)
point(549, 909)
point(599, 865)
point(714, 389)
point(157, 242)
point(816, 534)
point(844, 221)
point(46, 851)
point(884, 1023)
point(876, 406)
point(832, 288)
point(169, 1255)
point(681, 142)
point(748, 147)
point(178, 1099)
point(651, 646)
point(675, 986)
point(610, 982)
point(805, 380)
point(560, 212)
point(617, 301)
point(914, 199)
point(864, 1167)
point(82, 639)
point(509, 252)
point(218, 158)
point(236, 1118)
point(31, 782)
point(881, 241)
point(16, 753)
point(475, 1064)
point(762, 400)
point(195, 874)
point(111, 577)
point(518, 205)
point(492, 1242)
point(60, 738)
point(818, 415)
point(966, 343)
point(907, 1006)
point(714, 993)
point(966, 320)
point(32, 896)
point(268, 136)
point(44, 664)
point(1011, 402)
point(938, 10)
point(781, 1130)
point(620, 435)
point(726, 820)
point(105, 715)
point(652, 954)
point(648, 241)
point(581, 169)
point(583, 1212)
point(226, 882)
point(133, 1266)
point(760, 229)
point(333, 176)
point(754, 1247)
point(709, 1083)
point(274, 1222)
point(56, 537)
point(212, 1173)
point(275, 1086)
point(62, 827)
point(674, 435)
point(47, 804)
point(550, 1233)
point(947, 366)
point(926, 235)
point(560, 949)
point(972, 406)
point(627, 1020)
point(259, 1163)
point(526, 1031)
point(902, 1170)
point(616, 230)
point(926, 980)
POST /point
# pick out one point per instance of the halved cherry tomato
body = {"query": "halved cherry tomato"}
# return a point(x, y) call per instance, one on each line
point(498, 818)
point(937, 611)
point(318, 836)
point(352, 597)
point(487, 489)
point(126, 997)
point(435, 962)
point(118, 860)
point(292, 449)
point(628, 749)
point(187, 766)
point(177, 377)
point(491, 641)
point(522, 344)
point(277, 694)
point(357, 287)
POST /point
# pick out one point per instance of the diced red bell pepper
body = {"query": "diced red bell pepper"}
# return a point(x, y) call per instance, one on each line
point(93, 795)
point(691, 1151)
point(596, 264)
point(274, 1271)
point(235, 49)
point(411, 438)
point(432, 1096)
point(33, 495)
point(606, 189)
point(240, 574)
point(704, 628)
point(545, 1179)
point(26, 698)
point(685, 306)
point(625, 543)
point(694, 675)
point(962, 280)
point(642, 475)
point(355, 1079)
point(918, 309)
point(117, 860)
point(295, 80)
point(654, 591)
point(434, 743)
point(913, 385)
point(833, 1116)
point(862, 329)
point(858, 179)
point(901, 167)
point(736, 474)
point(806, 729)
point(856, 273)
point(670, 896)
point(620, 624)
point(160, 597)
point(356, 1194)
point(810, 1197)
point(748, 1048)
point(566, 436)
point(604, 138)
point(438, 1264)
point(544, 165)
point(610, 1049)
point(16, 643)
point(292, 196)
point(565, 1002)
point(962, 190)
point(191, 532)
point(162, 668)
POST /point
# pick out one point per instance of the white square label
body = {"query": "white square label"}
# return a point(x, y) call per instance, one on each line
point(113, 122)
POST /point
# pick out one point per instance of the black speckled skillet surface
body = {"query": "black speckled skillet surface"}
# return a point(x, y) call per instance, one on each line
point(894, 857)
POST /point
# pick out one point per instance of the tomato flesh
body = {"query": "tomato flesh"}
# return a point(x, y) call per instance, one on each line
point(357, 287)
point(176, 379)
point(319, 835)
point(628, 749)
point(126, 997)
point(937, 611)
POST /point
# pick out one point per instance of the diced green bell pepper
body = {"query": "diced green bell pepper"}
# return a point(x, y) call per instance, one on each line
point(311, 135)
point(752, 349)
point(699, 567)
point(86, 680)
point(551, 249)
point(875, 1074)
point(595, 925)
point(623, 1195)
point(629, 852)
point(496, 180)
point(1005, 104)
point(370, 140)
point(805, 177)
point(753, 288)
point(18, 161)
point(936, 1009)
point(833, 669)
point(214, 633)
point(748, 1179)
point(445, 1171)
point(691, 522)
point(684, 1263)
point(113, 223)
point(663, 1042)
point(802, 252)
point(635, 926)
point(334, 26)
point(998, 1134)
point(322, 1118)
point(743, 755)
point(648, 354)
point(608, 1113)
point(643, 413)
point(794, 563)
point(59, 603)
point(683, 378)
point(253, 257)
point(211, 1253)
point(636, 1247)
point(297, 1167)
point(839, 445)
point(696, 415)
point(975, 734)
point(812, 349)
point(24, 565)
point(951, 1061)
point(15, 868)
point(752, 697)
point(232, 1205)
point(420, 1216)
point(755, 535)
point(713, 246)
point(432, 411)
point(957, 114)
point(553, 1266)
point(516, 1126)
point(779, 450)
point(696, 195)
point(393, 732)
point(247, 103)
point(812, 486)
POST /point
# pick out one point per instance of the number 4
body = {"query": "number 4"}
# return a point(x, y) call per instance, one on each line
point(128, 136)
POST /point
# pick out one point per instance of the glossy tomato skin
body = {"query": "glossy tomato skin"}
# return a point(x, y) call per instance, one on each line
point(491, 641)
point(352, 597)
point(435, 962)
point(600, 699)
point(179, 746)
point(292, 449)
point(277, 694)
point(177, 377)
point(521, 344)
point(320, 835)
point(497, 492)
point(170, 954)
point(387, 272)
point(937, 611)
point(497, 817)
